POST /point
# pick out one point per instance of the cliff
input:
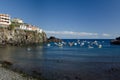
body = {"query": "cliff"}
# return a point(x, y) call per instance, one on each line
point(21, 37)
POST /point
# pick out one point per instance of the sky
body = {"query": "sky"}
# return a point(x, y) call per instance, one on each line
point(80, 19)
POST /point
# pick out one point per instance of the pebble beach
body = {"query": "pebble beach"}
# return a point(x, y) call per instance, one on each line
point(6, 74)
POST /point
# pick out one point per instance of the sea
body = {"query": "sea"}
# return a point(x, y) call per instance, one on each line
point(72, 59)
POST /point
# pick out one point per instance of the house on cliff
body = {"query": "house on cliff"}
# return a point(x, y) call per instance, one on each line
point(16, 32)
point(25, 26)
point(6, 21)
point(17, 20)
point(29, 27)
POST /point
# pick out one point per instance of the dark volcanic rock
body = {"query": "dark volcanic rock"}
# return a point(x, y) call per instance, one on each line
point(118, 38)
point(21, 37)
point(6, 64)
point(116, 41)
point(53, 39)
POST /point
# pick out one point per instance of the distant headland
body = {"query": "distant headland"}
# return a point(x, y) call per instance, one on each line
point(15, 31)
point(116, 41)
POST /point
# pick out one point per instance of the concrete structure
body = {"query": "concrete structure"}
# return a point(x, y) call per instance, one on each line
point(24, 27)
point(40, 30)
point(5, 19)
point(17, 20)
point(29, 27)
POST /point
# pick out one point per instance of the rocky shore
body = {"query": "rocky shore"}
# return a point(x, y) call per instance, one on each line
point(8, 73)
point(116, 41)
point(21, 37)
point(53, 39)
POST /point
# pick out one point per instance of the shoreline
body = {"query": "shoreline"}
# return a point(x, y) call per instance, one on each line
point(6, 73)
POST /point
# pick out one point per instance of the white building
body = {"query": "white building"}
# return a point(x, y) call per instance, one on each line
point(17, 20)
point(5, 19)
point(40, 30)
point(24, 27)
point(29, 27)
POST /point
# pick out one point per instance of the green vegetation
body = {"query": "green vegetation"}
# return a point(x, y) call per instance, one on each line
point(13, 25)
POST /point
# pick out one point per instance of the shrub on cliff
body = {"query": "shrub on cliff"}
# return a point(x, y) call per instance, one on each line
point(13, 25)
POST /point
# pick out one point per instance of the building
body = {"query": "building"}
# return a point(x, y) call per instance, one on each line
point(17, 20)
point(29, 27)
point(5, 19)
point(24, 27)
point(40, 30)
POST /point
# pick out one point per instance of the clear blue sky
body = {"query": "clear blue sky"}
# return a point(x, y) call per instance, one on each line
point(68, 18)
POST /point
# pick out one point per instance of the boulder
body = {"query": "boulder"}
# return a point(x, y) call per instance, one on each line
point(6, 64)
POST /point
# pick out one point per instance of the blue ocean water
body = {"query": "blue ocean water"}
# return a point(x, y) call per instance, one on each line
point(72, 59)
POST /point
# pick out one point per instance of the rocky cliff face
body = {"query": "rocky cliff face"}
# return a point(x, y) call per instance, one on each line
point(21, 37)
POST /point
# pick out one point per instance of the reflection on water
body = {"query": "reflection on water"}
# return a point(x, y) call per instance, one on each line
point(68, 63)
point(21, 54)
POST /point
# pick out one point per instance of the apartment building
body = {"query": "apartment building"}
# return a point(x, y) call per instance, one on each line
point(5, 19)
